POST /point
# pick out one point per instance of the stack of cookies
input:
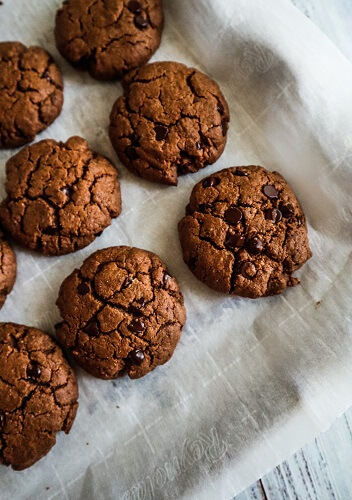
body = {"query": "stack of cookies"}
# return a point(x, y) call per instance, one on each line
point(244, 232)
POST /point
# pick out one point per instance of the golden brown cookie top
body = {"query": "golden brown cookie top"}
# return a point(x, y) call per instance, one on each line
point(122, 312)
point(244, 232)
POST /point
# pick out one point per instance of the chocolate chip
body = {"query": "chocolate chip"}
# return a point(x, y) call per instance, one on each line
point(67, 190)
point(136, 356)
point(161, 132)
point(240, 173)
point(211, 181)
point(255, 245)
point(287, 210)
point(166, 278)
point(134, 7)
point(233, 215)
point(136, 308)
point(83, 288)
point(46, 76)
point(273, 214)
point(248, 270)
point(58, 325)
point(92, 328)
point(141, 22)
point(137, 326)
point(235, 240)
point(224, 127)
point(34, 371)
point(2, 420)
point(220, 108)
point(131, 153)
point(270, 192)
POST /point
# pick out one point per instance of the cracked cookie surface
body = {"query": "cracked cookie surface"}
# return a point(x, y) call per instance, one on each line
point(31, 93)
point(38, 394)
point(7, 269)
point(171, 120)
point(122, 312)
point(60, 196)
point(108, 37)
point(244, 232)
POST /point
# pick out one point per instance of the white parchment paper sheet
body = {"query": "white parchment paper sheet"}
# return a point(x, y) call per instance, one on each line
point(251, 381)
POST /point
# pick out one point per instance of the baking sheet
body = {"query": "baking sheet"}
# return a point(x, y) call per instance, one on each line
point(251, 381)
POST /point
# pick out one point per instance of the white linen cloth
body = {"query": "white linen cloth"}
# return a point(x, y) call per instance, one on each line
point(251, 381)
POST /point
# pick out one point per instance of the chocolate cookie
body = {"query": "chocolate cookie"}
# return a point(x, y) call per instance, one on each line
point(244, 232)
point(7, 269)
point(38, 395)
point(172, 120)
point(122, 312)
point(60, 196)
point(30, 93)
point(108, 38)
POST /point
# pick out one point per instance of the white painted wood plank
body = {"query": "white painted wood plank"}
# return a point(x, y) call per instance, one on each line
point(255, 492)
point(336, 447)
point(321, 471)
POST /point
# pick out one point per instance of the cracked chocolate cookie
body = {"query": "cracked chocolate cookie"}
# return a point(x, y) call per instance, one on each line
point(7, 269)
point(122, 312)
point(60, 196)
point(38, 395)
point(172, 120)
point(108, 38)
point(31, 93)
point(244, 232)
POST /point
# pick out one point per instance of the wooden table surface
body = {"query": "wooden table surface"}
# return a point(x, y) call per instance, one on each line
point(321, 470)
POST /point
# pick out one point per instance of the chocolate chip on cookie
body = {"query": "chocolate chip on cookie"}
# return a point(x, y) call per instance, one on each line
point(60, 196)
point(129, 317)
point(244, 232)
point(172, 120)
point(38, 395)
point(30, 93)
point(108, 38)
point(7, 269)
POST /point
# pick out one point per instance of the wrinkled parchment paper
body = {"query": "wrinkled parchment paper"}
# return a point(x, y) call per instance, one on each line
point(251, 381)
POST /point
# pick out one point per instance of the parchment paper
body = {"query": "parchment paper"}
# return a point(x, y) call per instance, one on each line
point(251, 381)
